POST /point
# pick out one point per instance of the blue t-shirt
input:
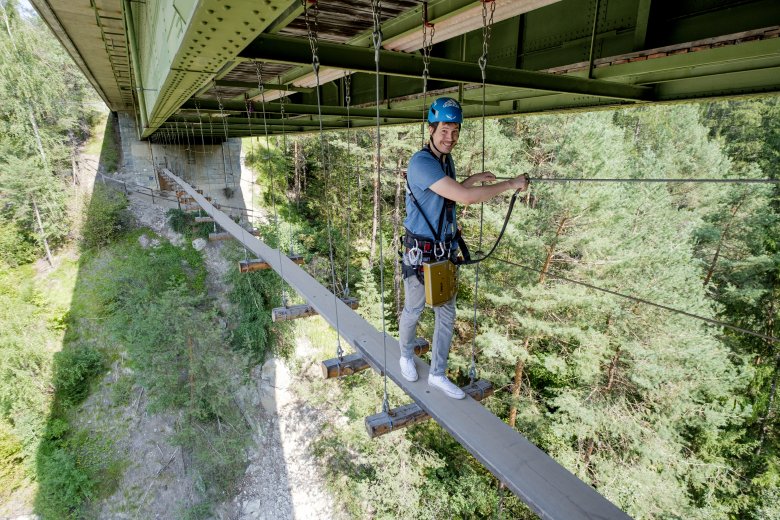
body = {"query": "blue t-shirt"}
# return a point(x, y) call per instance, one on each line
point(424, 170)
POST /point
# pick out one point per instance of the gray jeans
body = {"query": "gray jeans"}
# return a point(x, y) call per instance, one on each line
point(414, 303)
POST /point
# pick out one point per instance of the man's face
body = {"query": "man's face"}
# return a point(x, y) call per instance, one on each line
point(445, 136)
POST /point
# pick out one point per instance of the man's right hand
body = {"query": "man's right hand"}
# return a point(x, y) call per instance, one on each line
point(520, 182)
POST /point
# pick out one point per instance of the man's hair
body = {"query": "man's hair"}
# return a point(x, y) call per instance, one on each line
point(435, 125)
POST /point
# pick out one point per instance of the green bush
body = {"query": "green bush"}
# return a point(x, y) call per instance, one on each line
point(16, 247)
point(184, 223)
point(106, 217)
point(64, 485)
point(74, 371)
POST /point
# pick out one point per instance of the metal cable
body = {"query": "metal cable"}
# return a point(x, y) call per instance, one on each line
point(282, 101)
point(652, 180)
point(269, 167)
point(709, 321)
point(348, 101)
point(315, 63)
point(376, 11)
point(487, 25)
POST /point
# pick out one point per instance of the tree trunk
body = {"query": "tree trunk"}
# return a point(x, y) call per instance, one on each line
point(296, 171)
point(722, 238)
point(766, 419)
point(43, 233)
point(397, 238)
point(38, 138)
point(551, 250)
point(375, 219)
point(612, 370)
point(517, 386)
point(8, 25)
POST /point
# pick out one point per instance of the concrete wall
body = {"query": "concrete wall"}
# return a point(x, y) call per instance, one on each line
point(211, 168)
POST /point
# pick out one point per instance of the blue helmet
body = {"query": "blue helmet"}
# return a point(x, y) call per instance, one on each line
point(445, 110)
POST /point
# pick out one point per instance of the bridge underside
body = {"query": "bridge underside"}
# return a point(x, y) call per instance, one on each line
point(197, 66)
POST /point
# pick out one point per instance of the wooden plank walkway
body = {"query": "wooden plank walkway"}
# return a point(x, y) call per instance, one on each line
point(545, 486)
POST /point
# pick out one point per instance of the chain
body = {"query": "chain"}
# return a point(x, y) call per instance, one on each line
point(225, 128)
point(348, 101)
point(270, 169)
point(315, 63)
point(426, 55)
point(376, 11)
point(312, 35)
point(487, 29)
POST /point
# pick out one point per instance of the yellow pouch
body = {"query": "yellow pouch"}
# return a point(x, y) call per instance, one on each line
point(441, 282)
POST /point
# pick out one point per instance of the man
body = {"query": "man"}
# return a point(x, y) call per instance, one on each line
point(431, 229)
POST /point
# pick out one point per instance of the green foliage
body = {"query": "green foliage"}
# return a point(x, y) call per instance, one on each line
point(16, 246)
point(25, 370)
point(626, 396)
point(184, 223)
point(106, 217)
point(64, 485)
point(74, 370)
point(42, 116)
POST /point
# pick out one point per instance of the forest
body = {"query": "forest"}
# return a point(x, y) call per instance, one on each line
point(599, 319)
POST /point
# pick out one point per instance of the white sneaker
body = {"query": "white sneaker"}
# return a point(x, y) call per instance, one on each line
point(408, 370)
point(446, 386)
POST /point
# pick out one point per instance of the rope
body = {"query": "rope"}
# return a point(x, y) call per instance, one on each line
point(376, 11)
point(487, 25)
point(315, 63)
point(709, 321)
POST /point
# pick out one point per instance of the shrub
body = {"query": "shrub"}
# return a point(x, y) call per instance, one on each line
point(74, 370)
point(64, 486)
point(16, 247)
point(105, 218)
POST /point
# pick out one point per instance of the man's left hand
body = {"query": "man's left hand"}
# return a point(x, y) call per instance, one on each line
point(483, 177)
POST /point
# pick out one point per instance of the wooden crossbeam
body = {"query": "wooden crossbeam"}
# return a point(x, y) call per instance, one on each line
point(258, 264)
point(353, 363)
point(409, 414)
point(201, 220)
point(304, 311)
point(224, 235)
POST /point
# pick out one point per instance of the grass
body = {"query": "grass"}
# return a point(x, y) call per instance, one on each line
point(95, 141)
point(104, 142)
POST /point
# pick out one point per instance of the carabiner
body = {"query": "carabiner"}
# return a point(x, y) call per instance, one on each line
point(438, 250)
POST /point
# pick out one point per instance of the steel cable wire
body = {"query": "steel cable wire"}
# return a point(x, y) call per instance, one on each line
point(643, 301)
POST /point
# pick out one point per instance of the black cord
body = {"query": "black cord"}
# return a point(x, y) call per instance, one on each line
point(471, 261)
